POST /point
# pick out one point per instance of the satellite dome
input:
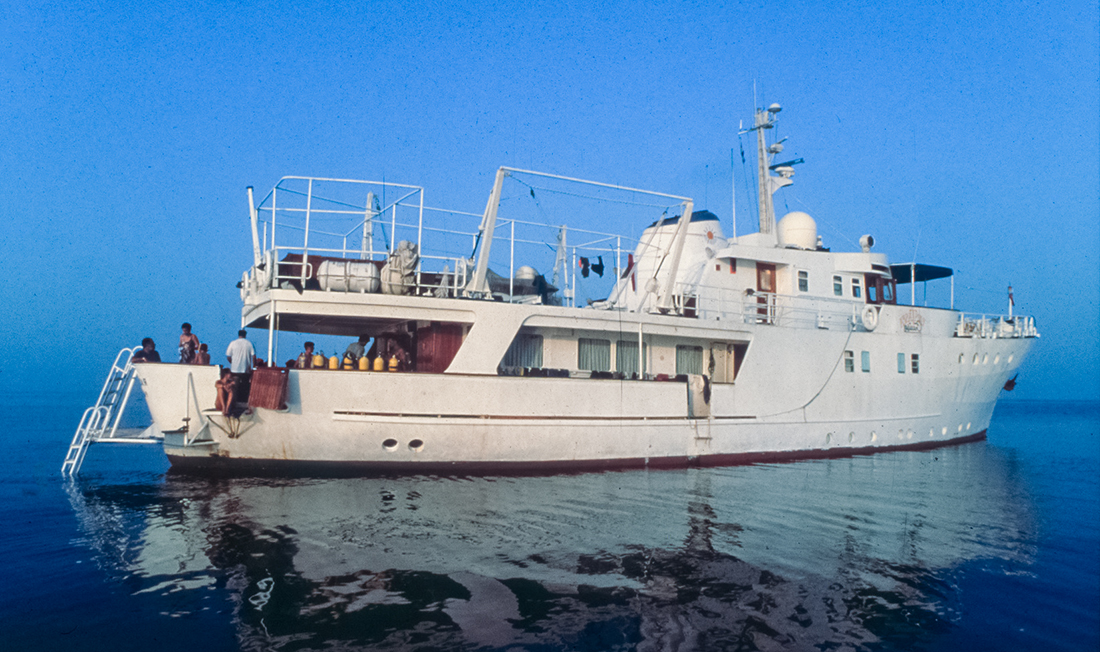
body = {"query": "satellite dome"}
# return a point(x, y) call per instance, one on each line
point(797, 229)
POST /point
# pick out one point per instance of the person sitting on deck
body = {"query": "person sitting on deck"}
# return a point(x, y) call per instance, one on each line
point(147, 353)
point(226, 388)
point(189, 344)
point(305, 358)
point(202, 356)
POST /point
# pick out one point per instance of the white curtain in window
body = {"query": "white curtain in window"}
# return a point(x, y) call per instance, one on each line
point(626, 357)
point(689, 359)
point(526, 351)
point(594, 354)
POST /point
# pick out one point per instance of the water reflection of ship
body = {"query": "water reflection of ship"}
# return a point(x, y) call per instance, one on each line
point(709, 559)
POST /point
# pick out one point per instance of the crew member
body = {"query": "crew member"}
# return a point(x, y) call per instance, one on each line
point(241, 355)
point(147, 353)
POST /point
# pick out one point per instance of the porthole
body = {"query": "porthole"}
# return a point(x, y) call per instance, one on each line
point(901, 435)
point(416, 445)
point(960, 428)
point(944, 431)
point(968, 425)
point(828, 438)
point(997, 359)
point(985, 359)
point(851, 437)
point(931, 433)
point(874, 436)
point(909, 435)
point(390, 444)
point(975, 358)
point(961, 358)
point(1010, 357)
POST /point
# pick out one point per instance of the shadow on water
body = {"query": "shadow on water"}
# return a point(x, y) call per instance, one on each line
point(860, 553)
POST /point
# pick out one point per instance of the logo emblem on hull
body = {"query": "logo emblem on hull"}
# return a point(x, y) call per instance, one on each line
point(912, 321)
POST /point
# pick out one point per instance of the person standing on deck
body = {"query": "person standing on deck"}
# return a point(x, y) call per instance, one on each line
point(189, 344)
point(305, 358)
point(241, 355)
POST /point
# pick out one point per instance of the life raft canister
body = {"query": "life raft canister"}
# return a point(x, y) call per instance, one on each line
point(364, 363)
point(379, 364)
point(334, 362)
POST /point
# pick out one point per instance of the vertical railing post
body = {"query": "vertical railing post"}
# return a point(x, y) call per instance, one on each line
point(512, 264)
point(305, 241)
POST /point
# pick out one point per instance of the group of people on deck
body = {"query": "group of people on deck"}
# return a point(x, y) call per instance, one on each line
point(191, 350)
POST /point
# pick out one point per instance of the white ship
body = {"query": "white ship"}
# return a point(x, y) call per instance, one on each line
point(704, 349)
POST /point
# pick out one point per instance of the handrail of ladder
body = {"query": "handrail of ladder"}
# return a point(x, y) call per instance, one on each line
point(99, 417)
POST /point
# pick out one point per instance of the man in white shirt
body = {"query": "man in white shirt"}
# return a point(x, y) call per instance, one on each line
point(241, 355)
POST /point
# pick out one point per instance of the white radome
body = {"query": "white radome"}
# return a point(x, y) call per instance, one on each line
point(797, 229)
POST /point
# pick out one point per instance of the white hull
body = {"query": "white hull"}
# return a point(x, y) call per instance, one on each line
point(783, 405)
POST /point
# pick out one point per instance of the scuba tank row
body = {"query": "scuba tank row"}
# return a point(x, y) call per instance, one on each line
point(350, 363)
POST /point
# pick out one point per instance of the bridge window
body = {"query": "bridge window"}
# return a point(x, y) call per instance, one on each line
point(594, 355)
point(857, 292)
point(838, 286)
point(849, 362)
point(803, 281)
point(865, 361)
point(914, 361)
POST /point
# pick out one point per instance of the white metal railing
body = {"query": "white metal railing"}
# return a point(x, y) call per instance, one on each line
point(995, 326)
point(316, 217)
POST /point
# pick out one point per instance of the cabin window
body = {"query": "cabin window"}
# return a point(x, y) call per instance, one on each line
point(733, 265)
point(526, 351)
point(888, 291)
point(872, 292)
point(626, 357)
point(901, 363)
point(803, 281)
point(849, 362)
point(865, 361)
point(689, 359)
point(838, 286)
point(856, 291)
point(914, 361)
point(594, 355)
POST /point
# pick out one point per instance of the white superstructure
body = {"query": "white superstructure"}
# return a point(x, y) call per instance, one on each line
point(700, 349)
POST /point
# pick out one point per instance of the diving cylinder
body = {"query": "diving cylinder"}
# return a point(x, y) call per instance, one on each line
point(393, 363)
point(334, 362)
point(318, 360)
point(364, 363)
point(379, 363)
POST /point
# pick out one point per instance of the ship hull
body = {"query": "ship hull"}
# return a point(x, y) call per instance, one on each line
point(361, 422)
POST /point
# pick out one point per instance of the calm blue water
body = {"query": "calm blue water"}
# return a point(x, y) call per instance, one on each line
point(987, 546)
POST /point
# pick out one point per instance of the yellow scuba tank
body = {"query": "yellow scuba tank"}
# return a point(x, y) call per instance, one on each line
point(349, 363)
point(393, 363)
point(364, 363)
point(379, 363)
point(334, 362)
point(318, 361)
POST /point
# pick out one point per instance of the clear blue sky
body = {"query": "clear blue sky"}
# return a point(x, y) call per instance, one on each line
point(129, 131)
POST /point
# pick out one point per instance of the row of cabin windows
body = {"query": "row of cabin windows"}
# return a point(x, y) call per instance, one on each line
point(595, 355)
point(865, 362)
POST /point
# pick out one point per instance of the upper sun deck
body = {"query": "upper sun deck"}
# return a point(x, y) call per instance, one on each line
point(345, 257)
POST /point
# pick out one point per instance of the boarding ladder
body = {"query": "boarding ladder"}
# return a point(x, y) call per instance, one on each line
point(100, 422)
